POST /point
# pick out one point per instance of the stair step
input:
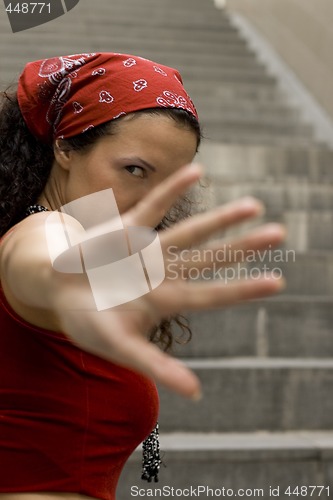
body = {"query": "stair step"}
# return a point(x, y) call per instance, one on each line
point(251, 394)
point(233, 163)
point(249, 107)
point(278, 197)
point(183, 58)
point(276, 116)
point(256, 464)
point(309, 274)
point(198, 45)
point(245, 97)
point(157, 32)
point(222, 100)
point(197, 5)
point(281, 327)
point(17, 55)
point(248, 134)
point(167, 12)
point(221, 74)
point(305, 273)
point(308, 230)
point(160, 16)
point(238, 90)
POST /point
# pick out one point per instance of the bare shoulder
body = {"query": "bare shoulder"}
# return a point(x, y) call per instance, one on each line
point(29, 237)
point(26, 271)
point(27, 228)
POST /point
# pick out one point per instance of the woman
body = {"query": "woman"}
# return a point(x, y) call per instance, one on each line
point(77, 392)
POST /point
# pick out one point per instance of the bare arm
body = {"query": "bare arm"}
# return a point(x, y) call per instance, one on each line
point(118, 334)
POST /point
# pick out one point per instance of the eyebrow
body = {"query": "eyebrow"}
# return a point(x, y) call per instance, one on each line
point(137, 159)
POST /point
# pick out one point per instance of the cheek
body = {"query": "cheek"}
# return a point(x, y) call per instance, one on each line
point(125, 198)
point(95, 175)
point(83, 181)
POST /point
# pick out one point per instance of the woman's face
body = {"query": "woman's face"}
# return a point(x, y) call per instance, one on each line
point(143, 152)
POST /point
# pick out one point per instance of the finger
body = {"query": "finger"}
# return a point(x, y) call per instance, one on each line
point(199, 227)
point(216, 295)
point(153, 207)
point(188, 296)
point(224, 253)
point(131, 350)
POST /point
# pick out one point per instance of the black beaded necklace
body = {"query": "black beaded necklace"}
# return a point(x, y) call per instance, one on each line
point(34, 209)
point(151, 460)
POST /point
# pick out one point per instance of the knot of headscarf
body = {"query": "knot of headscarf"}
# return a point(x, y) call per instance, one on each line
point(64, 96)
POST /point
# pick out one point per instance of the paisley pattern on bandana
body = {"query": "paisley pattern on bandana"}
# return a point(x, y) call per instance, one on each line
point(77, 107)
point(105, 96)
point(171, 100)
point(64, 96)
point(140, 85)
point(99, 72)
point(159, 70)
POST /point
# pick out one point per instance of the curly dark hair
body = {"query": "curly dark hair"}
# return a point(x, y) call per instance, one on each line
point(25, 165)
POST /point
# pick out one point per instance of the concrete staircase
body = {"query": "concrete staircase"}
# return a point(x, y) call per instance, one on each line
point(266, 419)
point(265, 422)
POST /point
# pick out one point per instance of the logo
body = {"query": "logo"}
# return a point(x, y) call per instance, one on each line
point(122, 264)
point(26, 15)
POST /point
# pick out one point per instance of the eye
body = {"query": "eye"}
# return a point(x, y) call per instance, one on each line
point(136, 171)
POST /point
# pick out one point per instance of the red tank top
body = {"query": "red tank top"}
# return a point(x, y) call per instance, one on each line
point(68, 419)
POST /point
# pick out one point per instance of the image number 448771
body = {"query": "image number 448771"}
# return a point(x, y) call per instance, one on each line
point(29, 8)
point(26, 15)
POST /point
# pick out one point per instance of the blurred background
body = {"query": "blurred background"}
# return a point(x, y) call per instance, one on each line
point(260, 73)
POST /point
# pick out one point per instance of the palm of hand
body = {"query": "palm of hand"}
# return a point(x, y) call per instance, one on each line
point(120, 334)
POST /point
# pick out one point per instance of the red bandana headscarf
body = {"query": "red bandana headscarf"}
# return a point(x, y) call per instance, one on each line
point(64, 96)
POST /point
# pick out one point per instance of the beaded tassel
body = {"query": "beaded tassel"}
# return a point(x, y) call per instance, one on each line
point(151, 457)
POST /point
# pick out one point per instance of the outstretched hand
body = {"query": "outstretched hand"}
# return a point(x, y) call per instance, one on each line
point(120, 334)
